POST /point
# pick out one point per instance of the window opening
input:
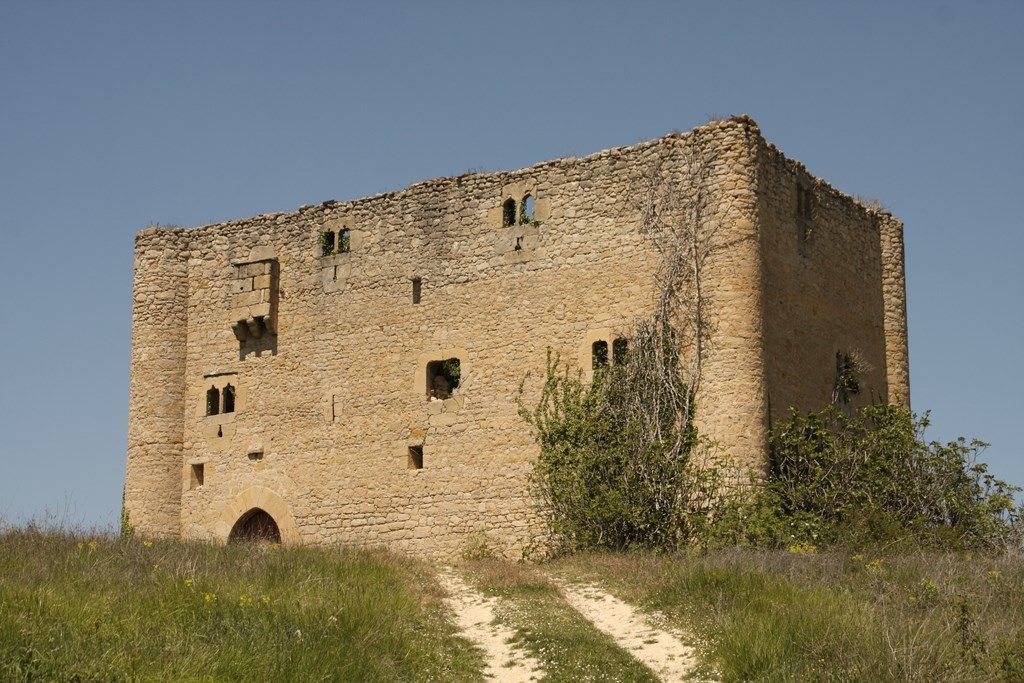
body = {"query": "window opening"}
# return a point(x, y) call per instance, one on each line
point(344, 240)
point(417, 285)
point(255, 455)
point(519, 244)
point(228, 399)
point(526, 210)
point(599, 354)
point(197, 476)
point(509, 212)
point(212, 401)
point(443, 378)
point(620, 351)
point(327, 243)
point(415, 458)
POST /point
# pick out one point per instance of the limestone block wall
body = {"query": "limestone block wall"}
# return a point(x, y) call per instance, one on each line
point(894, 293)
point(827, 262)
point(152, 497)
point(331, 408)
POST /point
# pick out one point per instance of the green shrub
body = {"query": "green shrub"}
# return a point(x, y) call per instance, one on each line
point(616, 468)
point(873, 478)
point(621, 466)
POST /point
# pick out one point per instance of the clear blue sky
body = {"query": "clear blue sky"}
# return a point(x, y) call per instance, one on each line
point(117, 115)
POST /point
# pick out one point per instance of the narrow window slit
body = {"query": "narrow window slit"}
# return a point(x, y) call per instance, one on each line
point(212, 401)
point(620, 351)
point(197, 476)
point(327, 243)
point(508, 212)
point(599, 354)
point(415, 461)
point(417, 285)
point(526, 210)
point(228, 399)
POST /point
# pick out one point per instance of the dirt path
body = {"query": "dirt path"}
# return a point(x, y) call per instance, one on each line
point(660, 650)
point(474, 614)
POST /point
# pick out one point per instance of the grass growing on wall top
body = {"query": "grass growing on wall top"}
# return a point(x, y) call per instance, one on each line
point(102, 608)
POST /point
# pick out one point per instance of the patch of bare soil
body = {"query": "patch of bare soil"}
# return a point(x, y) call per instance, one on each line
point(661, 650)
point(474, 614)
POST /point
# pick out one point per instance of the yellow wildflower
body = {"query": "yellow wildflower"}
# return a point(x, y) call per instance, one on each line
point(244, 600)
point(209, 597)
point(265, 599)
point(147, 544)
point(803, 548)
point(188, 582)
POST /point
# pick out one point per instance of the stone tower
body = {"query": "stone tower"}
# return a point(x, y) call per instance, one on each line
point(348, 372)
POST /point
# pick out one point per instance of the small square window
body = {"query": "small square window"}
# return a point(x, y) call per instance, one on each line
point(197, 476)
point(443, 378)
point(415, 457)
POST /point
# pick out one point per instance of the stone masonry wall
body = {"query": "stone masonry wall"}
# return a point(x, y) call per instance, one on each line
point(152, 495)
point(894, 293)
point(330, 400)
point(825, 267)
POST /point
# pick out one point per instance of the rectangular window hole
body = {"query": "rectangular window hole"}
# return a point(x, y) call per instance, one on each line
point(197, 476)
point(417, 286)
point(415, 457)
point(255, 455)
point(443, 378)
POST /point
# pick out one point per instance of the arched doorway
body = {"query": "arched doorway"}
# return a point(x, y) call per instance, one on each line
point(255, 526)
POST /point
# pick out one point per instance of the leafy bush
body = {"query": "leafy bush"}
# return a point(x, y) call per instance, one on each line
point(617, 466)
point(621, 466)
point(873, 478)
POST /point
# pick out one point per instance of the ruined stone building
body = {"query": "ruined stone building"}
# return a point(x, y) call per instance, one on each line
point(348, 372)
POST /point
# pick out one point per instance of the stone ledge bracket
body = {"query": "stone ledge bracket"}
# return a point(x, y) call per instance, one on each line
point(254, 298)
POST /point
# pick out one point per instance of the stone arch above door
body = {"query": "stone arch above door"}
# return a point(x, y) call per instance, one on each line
point(264, 499)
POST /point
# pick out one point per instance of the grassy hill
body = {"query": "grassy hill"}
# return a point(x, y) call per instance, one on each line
point(90, 607)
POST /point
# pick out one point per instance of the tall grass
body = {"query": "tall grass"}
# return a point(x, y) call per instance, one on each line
point(81, 607)
point(775, 615)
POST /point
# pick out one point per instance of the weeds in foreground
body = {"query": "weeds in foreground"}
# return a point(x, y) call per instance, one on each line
point(778, 615)
point(85, 607)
